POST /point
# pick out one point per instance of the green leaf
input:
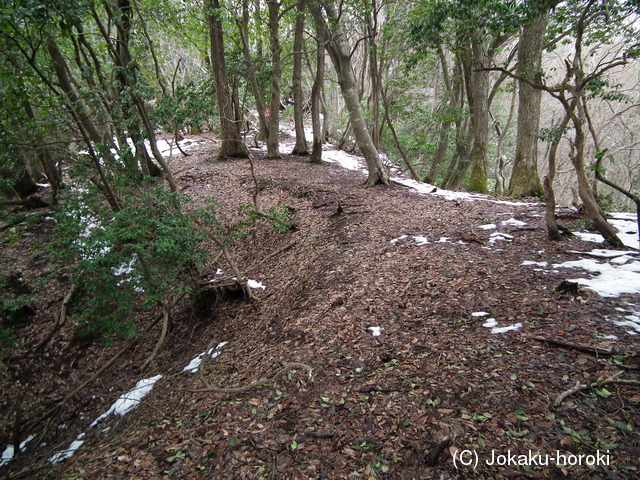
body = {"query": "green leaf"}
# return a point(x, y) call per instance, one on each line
point(625, 427)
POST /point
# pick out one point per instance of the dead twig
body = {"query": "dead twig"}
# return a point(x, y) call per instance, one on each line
point(578, 387)
point(595, 351)
point(274, 254)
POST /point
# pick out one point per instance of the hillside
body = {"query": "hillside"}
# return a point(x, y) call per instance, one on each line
point(416, 346)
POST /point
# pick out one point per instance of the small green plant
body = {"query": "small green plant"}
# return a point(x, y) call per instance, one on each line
point(281, 217)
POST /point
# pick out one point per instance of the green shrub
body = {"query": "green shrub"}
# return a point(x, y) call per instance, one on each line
point(132, 260)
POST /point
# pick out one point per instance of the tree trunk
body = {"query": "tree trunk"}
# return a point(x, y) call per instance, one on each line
point(232, 144)
point(127, 76)
point(300, 147)
point(316, 96)
point(273, 141)
point(374, 74)
point(243, 26)
point(479, 95)
point(549, 195)
point(501, 134)
point(584, 186)
point(340, 53)
point(524, 176)
point(453, 92)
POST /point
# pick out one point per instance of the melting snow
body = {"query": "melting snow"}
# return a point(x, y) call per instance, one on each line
point(539, 264)
point(194, 364)
point(396, 240)
point(255, 284)
point(129, 400)
point(68, 453)
point(8, 453)
point(421, 240)
point(500, 237)
point(491, 322)
point(376, 331)
point(509, 328)
point(609, 280)
point(489, 226)
point(512, 222)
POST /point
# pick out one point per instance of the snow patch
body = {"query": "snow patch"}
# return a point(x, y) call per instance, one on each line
point(68, 453)
point(500, 237)
point(376, 331)
point(609, 280)
point(195, 362)
point(129, 400)
point(421, 240)
point(9, 452)
point(255, 284)
point(512, 222)
point(490, 323)
point(539, 264)
point(396, 240)
point(510, 328)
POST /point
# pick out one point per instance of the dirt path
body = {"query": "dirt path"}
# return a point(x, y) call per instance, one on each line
point(436, 381)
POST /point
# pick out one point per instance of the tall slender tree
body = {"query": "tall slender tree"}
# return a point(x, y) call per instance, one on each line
point(232, 144)
point(332, 28)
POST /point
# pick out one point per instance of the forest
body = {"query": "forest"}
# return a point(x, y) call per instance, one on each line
point(158, 156)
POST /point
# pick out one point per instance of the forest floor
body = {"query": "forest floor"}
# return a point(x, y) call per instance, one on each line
point(437, 389)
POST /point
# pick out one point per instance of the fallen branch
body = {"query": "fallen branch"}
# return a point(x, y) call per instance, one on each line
point(258, 383)
point(274, 254)
point(62, 316)
point(578, 387)
point(319, 434)
point(596, 351)
point(54, 409)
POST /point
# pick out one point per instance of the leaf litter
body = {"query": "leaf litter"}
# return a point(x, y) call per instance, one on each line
point(376, 406)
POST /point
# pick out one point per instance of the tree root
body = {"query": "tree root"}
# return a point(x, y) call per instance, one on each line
point(163, 334)
point(258, 383)
point(62, 316)
point(578, 387)
point(52, 411)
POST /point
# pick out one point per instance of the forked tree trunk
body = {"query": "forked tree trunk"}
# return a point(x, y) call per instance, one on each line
point(584, 186)
point(232, 144)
